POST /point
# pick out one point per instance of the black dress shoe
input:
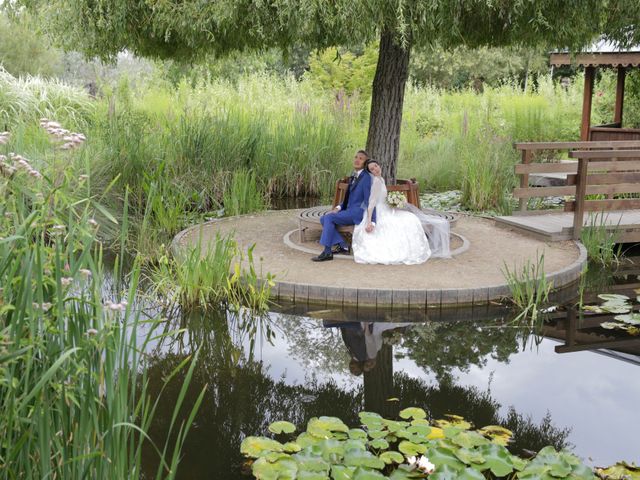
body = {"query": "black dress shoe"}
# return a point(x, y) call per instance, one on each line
point(323, 257)
point(341, 251)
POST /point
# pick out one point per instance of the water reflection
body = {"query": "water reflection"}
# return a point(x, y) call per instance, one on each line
point(541, 382)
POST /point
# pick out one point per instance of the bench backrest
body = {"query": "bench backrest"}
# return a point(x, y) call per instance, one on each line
point(409, 187)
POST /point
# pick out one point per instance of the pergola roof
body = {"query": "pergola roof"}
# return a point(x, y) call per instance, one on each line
point(600, 54)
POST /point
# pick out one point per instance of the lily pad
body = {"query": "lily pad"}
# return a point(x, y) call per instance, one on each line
point(324, 426)
point(616, 308)
point(367, 474)
point(469, 456)
point(497, 459)
point(413, 413)
point(357, 433)
point(379, 444)
point(282, 427)
point(303, 475)
point(497, 434)
point(258, 446)
point(411, 449)
point(453, 421)
point(291, 447)
point(309, 462)
point(435, 434)
point(391, 457)
point(611, 325)
point(340, 472)
point(467, 439)
point(370, 419)
point(264, 470)
point(445, 472)
point(356, 458)
point(620, 471)
point(613, 297)
point(631, 319)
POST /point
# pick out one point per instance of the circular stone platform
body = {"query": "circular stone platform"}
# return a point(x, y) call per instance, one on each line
point(473, 276)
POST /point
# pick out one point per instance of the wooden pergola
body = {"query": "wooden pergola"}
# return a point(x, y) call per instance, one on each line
point(603, 55)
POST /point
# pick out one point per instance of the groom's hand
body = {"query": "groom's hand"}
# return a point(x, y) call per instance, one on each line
point(335, 209)
point(369, 228)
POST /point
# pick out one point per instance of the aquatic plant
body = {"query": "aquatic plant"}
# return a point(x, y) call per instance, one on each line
point(73, 390)
point(405, 448)
point(600, 241)
point(529, 287)
point(206, 275)
point(243, 196)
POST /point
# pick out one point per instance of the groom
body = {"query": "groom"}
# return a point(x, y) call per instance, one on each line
point(350, 212)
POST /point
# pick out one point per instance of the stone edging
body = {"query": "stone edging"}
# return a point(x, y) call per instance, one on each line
point(422, 299)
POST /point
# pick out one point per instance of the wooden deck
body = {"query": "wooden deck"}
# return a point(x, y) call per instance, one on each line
point(558, 226)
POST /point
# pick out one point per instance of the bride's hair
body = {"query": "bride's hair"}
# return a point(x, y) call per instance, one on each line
point(369, 162)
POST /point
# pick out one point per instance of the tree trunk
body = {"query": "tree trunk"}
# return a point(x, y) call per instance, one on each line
point(392, 72)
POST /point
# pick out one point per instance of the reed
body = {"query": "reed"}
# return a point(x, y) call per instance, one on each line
point(600, 241)
point(529, 287)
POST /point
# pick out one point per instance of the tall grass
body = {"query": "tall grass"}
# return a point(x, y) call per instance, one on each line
point(600, 241)
point(73, 390)
point(529, 287)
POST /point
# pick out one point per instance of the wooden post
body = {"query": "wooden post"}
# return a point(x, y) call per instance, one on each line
point(527, 156)
point(589, 77)
point(617, 115)
point(581, 192)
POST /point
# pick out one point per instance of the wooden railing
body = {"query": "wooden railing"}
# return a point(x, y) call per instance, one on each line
point(602, 168)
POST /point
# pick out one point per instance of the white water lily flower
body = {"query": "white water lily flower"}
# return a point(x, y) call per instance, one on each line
point(426, 466)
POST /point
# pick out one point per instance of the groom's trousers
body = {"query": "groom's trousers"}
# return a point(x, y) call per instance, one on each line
point(330, 235)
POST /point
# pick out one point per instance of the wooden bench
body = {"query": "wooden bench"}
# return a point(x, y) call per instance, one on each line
point(309, 219)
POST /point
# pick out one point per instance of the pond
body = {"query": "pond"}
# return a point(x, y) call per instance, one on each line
point(567, 382)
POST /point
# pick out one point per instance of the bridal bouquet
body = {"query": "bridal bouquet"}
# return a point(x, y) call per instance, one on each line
point(396, 199)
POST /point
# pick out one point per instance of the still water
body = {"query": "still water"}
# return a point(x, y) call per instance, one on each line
point(567, 382)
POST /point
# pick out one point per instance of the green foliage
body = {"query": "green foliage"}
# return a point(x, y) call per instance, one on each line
point(72, 385)
point(459, 453)
point(24, 50)
point(529, 287)
point(340, 70)
point(600, 241)
point(243, 195)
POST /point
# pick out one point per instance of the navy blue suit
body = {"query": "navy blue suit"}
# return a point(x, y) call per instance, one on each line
point(352, 210)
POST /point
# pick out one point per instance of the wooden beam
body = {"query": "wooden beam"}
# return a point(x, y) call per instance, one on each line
point(620, 343)
point(568, 167)
point(605, 153)
point(600, 144)
point(589, 78)
point(609, 59)
point(527, 156)
point(581, 190)
point(617, 112)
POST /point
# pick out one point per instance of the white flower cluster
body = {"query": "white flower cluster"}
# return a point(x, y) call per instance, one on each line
point(116, 307)
point(71, 139)
point(4, 138)
point(14, 162)
point(422, 463)
point(396, 199)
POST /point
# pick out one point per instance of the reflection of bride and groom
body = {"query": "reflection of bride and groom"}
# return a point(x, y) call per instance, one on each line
point(382, 234)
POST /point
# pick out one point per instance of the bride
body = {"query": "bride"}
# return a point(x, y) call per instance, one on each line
point(398, 236)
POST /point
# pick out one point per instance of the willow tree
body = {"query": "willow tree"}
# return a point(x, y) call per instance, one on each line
point(188, 29)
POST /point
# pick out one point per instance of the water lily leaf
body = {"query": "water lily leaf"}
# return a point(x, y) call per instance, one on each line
point(411, 449)
point(613, 297)
point(435, 434)
point(340, 472)
point(377, 433)
point(445, 472)
point(291, 447)
point(518, 463)
point(357, 433)
point(275, 456)
point(440, 457)
point(264, 470)
point(282, 427)
point(453, 421)
point(379, 444)
point(258, 446)
point(413, 413)
point(311, 476)
point(469, 439)
point(497, 434)
point(306, 440)
point(420, 431)
point(367, 474)
point(470, 474)
point(391, 457)
point(370, 419)
point(632, 319)
point(324, 426)
point(394, 426)
point(497, 459)
point(620, 471)
point(420, 421)
point(468, 456)
point(331, 449)
point(592, 309)
point(354, 444)
point(356, 458)
point(309, 462)
point(615, 308)
point(393, 399)
point(611, 325)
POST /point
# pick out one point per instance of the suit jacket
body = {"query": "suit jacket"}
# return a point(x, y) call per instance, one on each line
point(357, 197)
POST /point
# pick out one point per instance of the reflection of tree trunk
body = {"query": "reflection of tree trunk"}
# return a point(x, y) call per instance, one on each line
point(378, 385)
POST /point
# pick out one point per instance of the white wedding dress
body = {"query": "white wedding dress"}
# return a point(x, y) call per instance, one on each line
point(400, 235)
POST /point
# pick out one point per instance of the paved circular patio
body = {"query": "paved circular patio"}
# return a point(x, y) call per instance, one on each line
point(473, 276)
